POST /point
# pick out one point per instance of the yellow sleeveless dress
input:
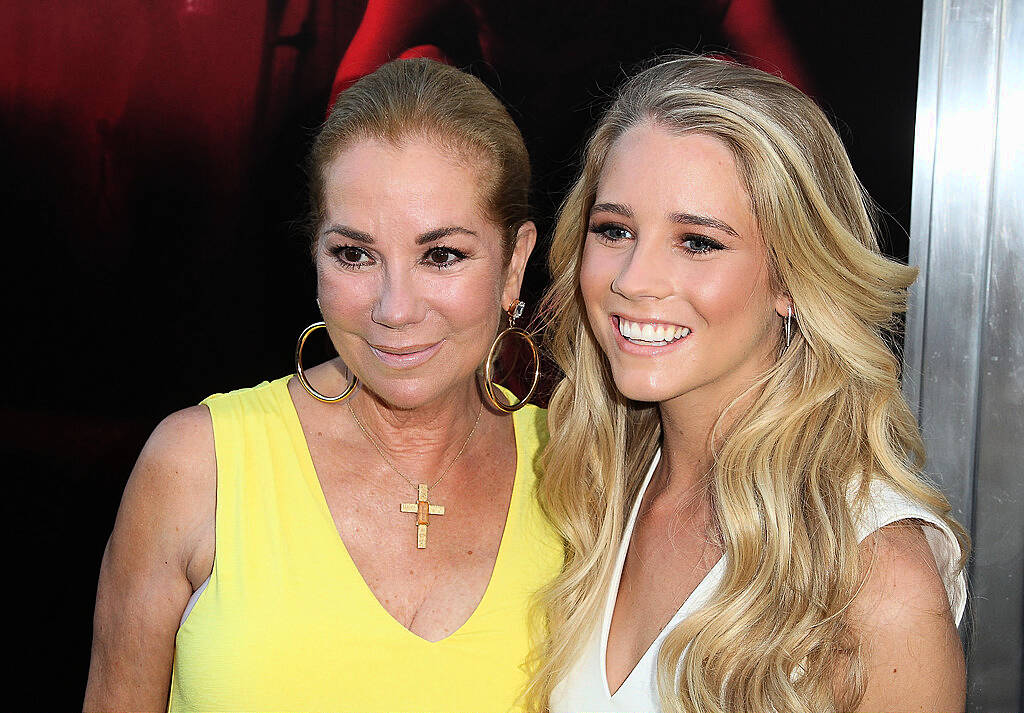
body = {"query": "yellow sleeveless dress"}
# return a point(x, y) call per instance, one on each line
point(286, 622)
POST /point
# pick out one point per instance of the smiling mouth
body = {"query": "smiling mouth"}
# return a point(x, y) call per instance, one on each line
point(405, 357)
point(403, 351)
point(650, 334)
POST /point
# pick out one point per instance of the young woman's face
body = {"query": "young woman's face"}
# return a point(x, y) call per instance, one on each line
point(410, 272)
point(675, 273)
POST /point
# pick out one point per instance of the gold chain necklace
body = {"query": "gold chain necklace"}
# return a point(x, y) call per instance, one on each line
point(422, 506)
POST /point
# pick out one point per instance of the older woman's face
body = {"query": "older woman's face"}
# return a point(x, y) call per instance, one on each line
point(674, 271)
point(410, 273)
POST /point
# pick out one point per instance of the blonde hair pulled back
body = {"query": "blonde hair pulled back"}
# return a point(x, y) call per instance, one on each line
point(792, 469)
point(422, 98)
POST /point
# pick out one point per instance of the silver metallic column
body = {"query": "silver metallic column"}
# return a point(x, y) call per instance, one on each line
point(964, 356)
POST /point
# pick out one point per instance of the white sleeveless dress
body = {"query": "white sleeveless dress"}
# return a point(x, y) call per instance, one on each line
point(586, 686)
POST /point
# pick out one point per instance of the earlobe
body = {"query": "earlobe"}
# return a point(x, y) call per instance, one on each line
point(784, 305)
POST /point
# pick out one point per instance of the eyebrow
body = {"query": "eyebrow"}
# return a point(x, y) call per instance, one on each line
point(706, 220)
point(439, 233)
point(618, 208)
point(351, 233)
point(683, 218)
point(429, 237)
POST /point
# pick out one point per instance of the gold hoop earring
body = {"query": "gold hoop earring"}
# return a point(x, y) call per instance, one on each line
point(515, 311)
point(301, 374)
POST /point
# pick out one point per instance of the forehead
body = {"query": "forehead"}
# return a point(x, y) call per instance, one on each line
point(657, 171)
point(417, 179)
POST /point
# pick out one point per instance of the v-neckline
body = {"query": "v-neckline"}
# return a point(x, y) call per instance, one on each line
point(613, 592)
point(306, 459)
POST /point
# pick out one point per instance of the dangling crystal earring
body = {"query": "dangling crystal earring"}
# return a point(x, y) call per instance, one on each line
point(790, 314)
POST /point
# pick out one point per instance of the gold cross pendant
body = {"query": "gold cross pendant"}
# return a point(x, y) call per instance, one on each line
point(423, 509)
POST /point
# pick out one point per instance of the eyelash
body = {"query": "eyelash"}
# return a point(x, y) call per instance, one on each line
point(457, 254)
point(707, 245)
point(339, 250)
point(603, 230)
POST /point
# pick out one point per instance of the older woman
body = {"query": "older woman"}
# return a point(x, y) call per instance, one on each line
point(363, 537)
point(762, 538)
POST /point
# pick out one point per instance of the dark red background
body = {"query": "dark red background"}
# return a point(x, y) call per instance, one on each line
point(152, 186)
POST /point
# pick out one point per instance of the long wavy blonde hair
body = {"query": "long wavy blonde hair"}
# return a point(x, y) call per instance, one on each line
point(822, 422)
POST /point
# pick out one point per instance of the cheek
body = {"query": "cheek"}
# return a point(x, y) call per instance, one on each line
point(344, 296)
point(467, 304)
point(596, 275)
point(731, 295)
point(720, 296)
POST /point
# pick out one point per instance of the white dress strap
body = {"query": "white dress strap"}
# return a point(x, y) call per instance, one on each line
point(585, 688)
point(886, 506)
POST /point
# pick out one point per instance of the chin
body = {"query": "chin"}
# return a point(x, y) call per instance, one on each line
point(410, 391)
point(402, 395)
point(648, 389)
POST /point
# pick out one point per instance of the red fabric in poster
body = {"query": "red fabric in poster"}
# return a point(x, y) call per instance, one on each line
point(752, 28)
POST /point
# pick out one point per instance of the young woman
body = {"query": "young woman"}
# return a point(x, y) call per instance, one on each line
point(732, 467)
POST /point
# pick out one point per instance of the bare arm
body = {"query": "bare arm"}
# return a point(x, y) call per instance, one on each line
point(162, 535)
point(911, 652)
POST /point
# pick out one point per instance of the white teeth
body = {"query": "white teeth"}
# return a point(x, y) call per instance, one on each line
point(648, 332)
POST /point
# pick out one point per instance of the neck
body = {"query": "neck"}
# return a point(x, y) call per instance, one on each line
point(689, 421)
point(424, 440)
point(689, 436)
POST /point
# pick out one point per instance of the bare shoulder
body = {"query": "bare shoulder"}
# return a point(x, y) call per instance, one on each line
point(909, 644)
point(174, 479)
point(179, 452)
point(902, 576)
point(164, 532)
point(174, 487)
point(182, 438)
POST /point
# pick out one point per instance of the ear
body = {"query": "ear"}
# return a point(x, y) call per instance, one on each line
point(526, 239)
point(784, 303)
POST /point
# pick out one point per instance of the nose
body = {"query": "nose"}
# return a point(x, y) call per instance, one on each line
point(645, 272)
point(399, 303)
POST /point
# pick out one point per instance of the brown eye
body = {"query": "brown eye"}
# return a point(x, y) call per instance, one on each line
point(351, 256)
point(442, 257)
